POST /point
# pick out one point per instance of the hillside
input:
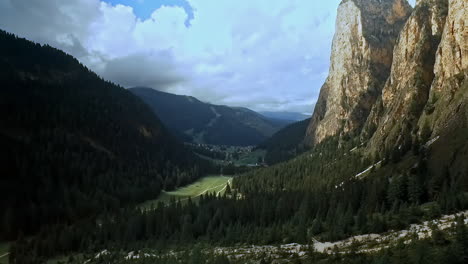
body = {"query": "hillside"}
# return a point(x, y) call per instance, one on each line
point(199, 122)
point(286, 143)
point(74, 145)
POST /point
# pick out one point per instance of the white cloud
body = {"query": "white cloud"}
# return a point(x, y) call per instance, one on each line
point(262, 54)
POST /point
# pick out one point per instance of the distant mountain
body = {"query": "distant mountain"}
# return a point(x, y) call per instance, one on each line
point(74, 145)
point(289, 116)
point(199, 122)
point(286, 143)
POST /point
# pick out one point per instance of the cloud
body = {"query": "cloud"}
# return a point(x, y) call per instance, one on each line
point(49, 20)
point(262, 54)
point(145, 69)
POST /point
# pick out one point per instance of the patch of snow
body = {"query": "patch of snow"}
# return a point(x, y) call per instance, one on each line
point(366, 170)
point(102, 253)
point(432, 141)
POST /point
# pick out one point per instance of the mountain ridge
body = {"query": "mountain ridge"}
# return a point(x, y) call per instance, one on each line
point(290, 116)
point(199, 122)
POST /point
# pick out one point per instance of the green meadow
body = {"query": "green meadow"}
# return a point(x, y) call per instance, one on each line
point(210, 184)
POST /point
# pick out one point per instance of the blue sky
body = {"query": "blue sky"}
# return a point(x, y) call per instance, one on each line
point(267, 55)
point(144, 8)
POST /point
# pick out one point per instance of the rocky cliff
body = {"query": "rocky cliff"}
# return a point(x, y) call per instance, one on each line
point(426, 95)
point(406, 92)
point(395, 95)
point(449, 92)
point(362, 54)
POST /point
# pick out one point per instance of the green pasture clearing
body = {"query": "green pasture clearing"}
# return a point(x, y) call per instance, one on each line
point(209, 184)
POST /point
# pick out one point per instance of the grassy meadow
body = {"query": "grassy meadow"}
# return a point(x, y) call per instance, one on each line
point(210, 184)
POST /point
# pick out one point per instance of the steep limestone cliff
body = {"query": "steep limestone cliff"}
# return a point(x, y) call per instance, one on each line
point(406, 91)
point(448, 101)
point(366, 32)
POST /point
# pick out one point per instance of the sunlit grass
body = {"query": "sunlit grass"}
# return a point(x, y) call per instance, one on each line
point(209, 184)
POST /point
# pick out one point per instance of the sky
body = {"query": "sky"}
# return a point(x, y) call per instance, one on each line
point(267, 55)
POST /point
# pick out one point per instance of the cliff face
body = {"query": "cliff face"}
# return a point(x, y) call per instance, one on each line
point(448, 101)
point(427, 86)
point(362, 54)
point(406, 91)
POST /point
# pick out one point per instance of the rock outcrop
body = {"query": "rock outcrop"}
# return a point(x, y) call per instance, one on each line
point(362, 55)
point(406, 91)
point(448, 101)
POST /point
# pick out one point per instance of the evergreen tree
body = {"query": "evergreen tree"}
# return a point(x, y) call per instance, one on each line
point(415, 189)
point(228, 189)
point(425, 133)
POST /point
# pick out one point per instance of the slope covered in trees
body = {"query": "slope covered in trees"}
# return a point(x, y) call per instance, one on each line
point(73, 144)
point(322, 194)
point(447, 246)
point(286, 143)
point(199, 122)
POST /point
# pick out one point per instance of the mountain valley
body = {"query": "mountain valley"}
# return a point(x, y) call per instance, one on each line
point(198, 122)
point(96, 173)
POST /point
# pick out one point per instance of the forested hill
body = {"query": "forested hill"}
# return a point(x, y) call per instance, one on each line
point(73, 144)
point(286, 143)
point(195, 121)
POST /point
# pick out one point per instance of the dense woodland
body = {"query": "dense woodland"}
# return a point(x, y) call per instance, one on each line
point(273, 210)
point(286, 143)
point(74, 145)
point(444, 247)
